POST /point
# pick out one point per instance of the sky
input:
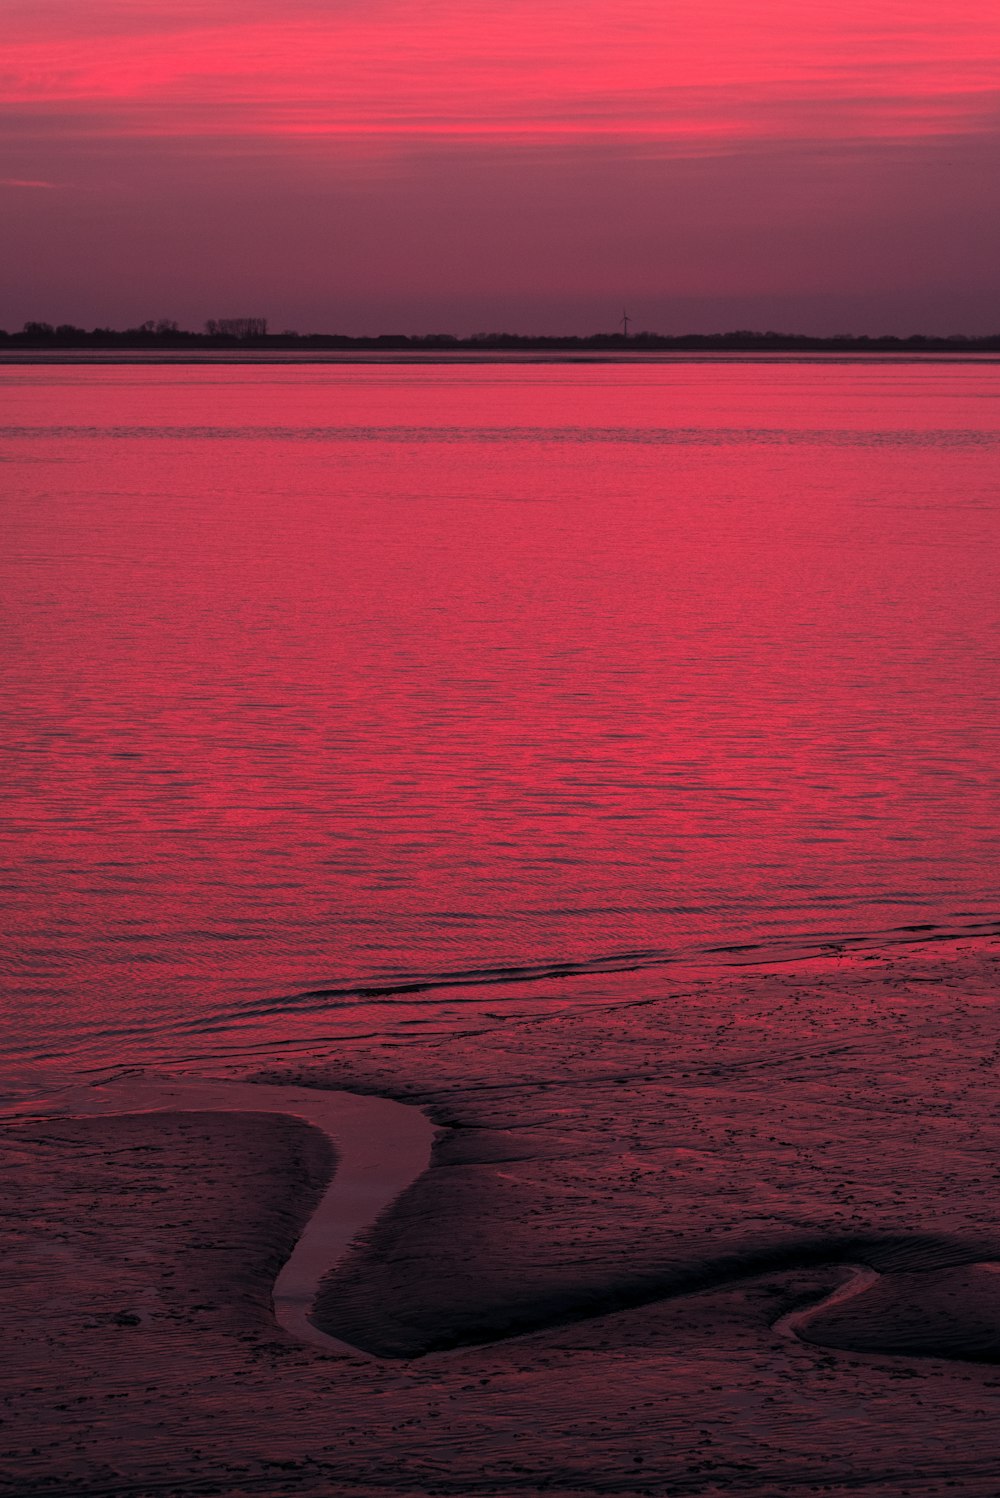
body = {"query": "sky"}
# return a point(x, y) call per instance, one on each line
point(466, 166)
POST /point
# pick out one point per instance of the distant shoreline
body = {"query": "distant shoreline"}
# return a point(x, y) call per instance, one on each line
point(374, 354)
point(168, 343)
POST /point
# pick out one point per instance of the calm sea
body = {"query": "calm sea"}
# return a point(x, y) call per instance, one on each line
point(333, 693)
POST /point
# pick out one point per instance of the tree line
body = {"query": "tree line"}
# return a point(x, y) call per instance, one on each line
point(252, 332)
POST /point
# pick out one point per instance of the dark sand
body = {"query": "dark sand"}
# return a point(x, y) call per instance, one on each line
point(657, 1200)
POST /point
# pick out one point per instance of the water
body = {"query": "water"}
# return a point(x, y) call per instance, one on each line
point(323, 679)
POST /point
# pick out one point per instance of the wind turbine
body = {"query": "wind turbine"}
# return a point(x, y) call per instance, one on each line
point(625, 322)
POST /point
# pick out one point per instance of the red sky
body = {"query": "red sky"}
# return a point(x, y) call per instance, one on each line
point(365, 165)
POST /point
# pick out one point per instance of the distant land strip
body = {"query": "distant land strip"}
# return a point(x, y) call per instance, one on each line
point(166, 336)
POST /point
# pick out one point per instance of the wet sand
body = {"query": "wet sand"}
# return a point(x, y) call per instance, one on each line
point(620, 1273)
point(374, 1149)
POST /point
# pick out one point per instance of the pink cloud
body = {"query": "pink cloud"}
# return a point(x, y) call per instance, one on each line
point(528, 70)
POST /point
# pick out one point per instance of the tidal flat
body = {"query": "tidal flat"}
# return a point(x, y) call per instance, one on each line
point(619, 1274)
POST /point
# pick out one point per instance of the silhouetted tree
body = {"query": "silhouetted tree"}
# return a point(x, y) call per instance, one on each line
point(236, 327)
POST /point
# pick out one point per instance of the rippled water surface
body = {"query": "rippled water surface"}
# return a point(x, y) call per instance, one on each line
point(328, 678)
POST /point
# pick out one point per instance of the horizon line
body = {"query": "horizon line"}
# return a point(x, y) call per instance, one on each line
point(250, 333)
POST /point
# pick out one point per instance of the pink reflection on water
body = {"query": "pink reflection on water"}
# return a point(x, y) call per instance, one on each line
point(322, 676)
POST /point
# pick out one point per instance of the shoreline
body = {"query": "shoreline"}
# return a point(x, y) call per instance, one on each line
point(15, 358)
point(241, 1035)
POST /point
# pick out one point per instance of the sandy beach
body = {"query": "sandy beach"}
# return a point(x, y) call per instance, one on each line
point(737, 1237)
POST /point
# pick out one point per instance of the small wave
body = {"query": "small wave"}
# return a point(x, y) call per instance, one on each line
point(507, 987)
point(393, 988)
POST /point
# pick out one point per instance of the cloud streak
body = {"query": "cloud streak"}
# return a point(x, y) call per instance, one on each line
point(532, 71)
